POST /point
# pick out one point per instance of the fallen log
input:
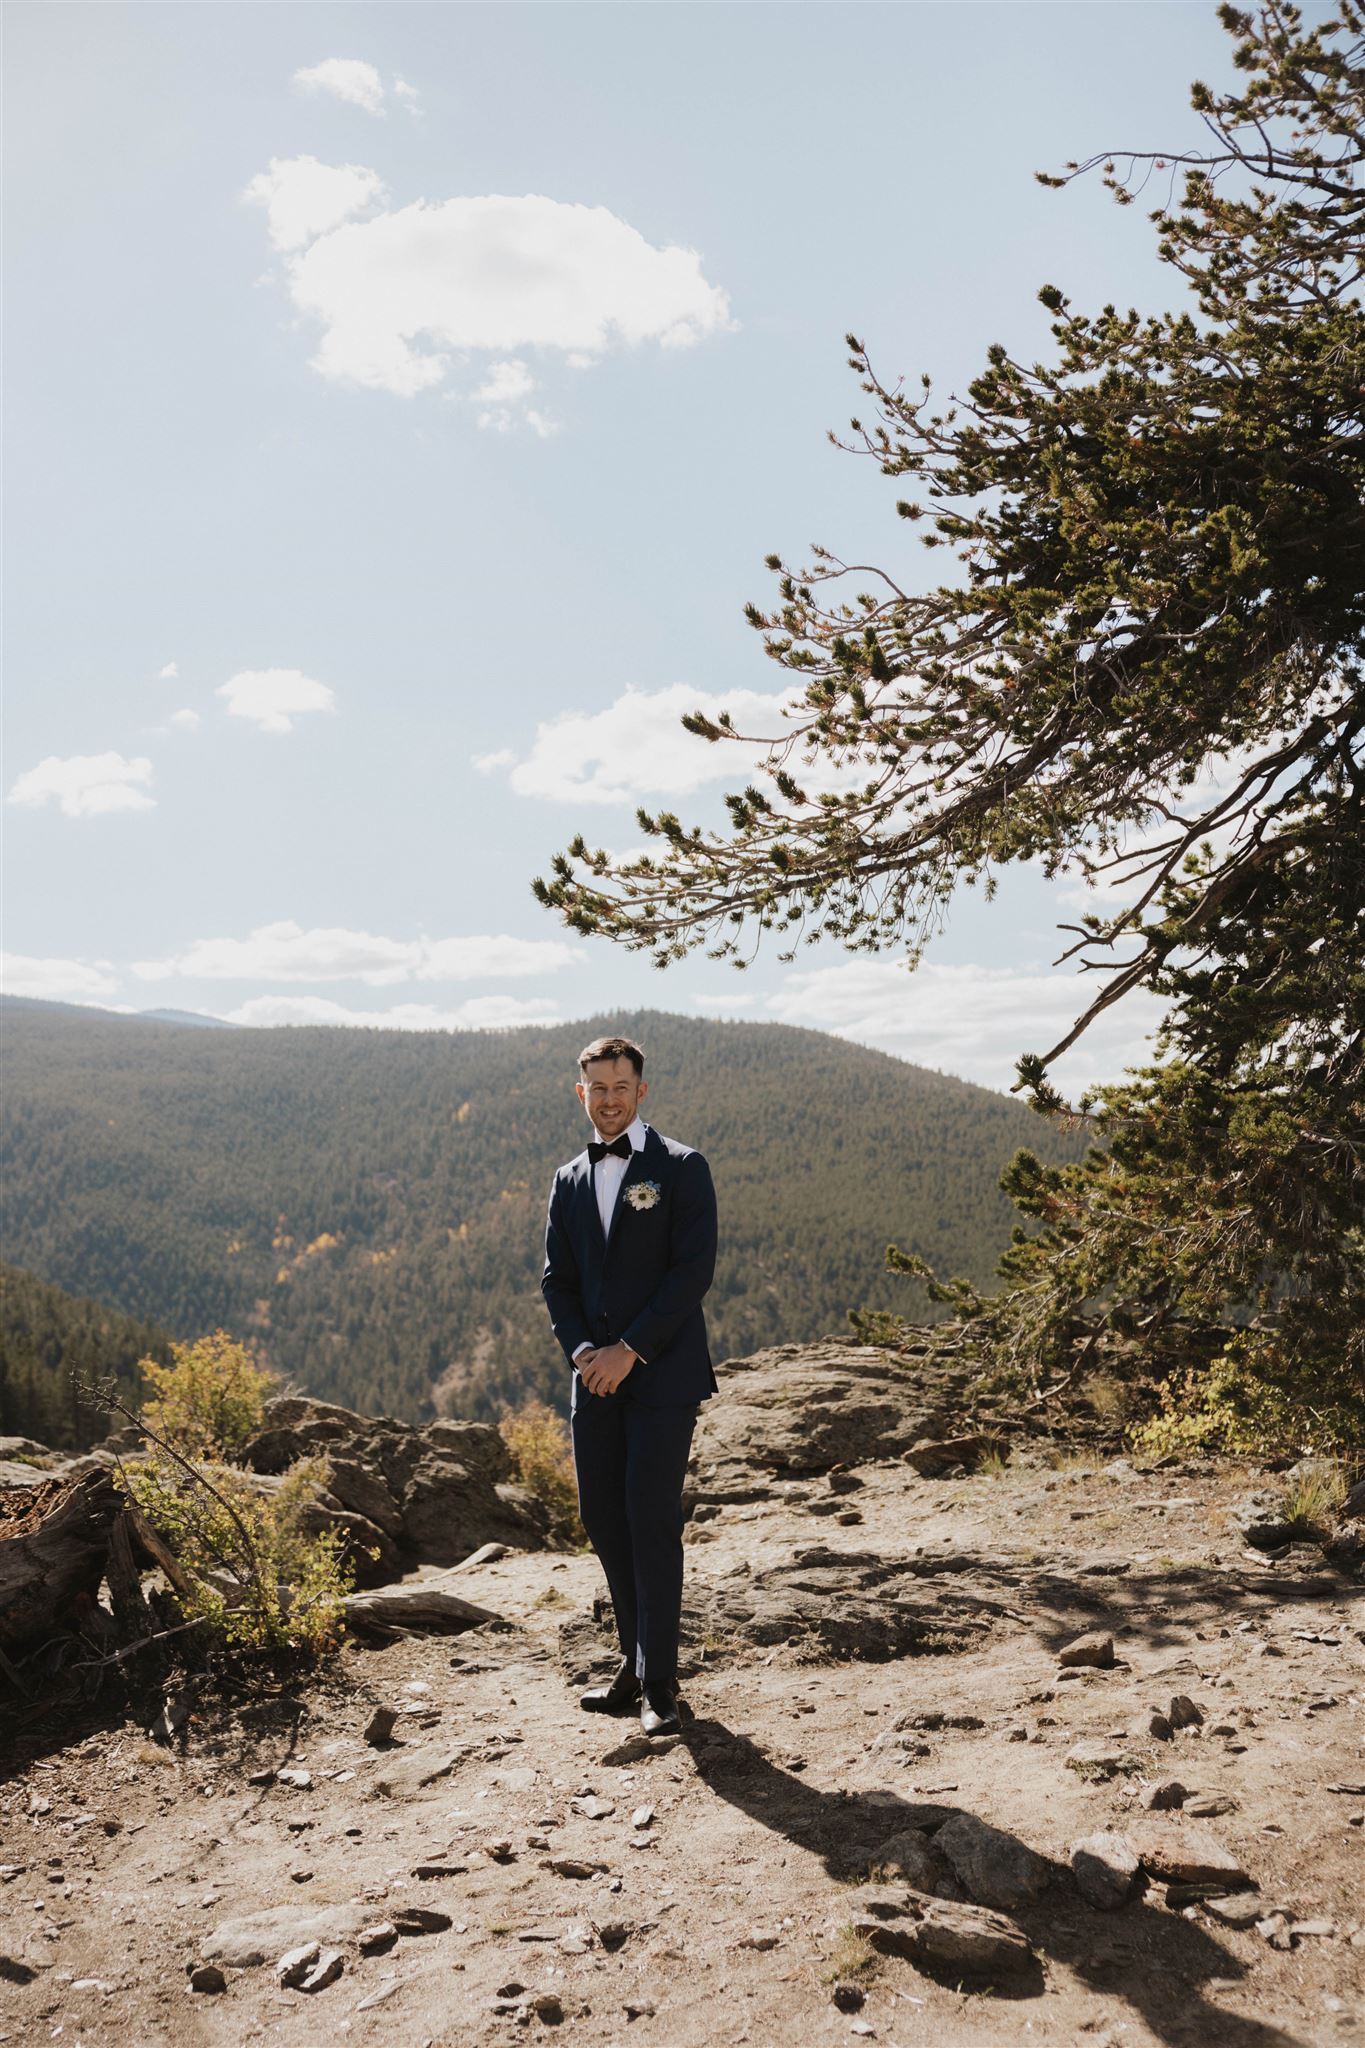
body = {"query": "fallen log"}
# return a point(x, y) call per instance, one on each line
point(426, 1606)
point(54, 1551)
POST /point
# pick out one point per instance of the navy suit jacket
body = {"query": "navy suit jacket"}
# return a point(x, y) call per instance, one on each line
point(643, 1284)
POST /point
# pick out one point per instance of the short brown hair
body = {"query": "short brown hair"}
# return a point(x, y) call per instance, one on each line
point(612, 1049)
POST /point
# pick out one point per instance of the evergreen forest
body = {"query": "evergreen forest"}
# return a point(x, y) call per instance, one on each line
point(366, 1207)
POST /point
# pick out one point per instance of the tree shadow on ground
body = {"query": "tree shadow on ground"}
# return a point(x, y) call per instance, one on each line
point(1148, 1957)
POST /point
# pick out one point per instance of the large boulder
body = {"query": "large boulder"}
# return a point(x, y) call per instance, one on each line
point(418, 1495)
point(798, 1410)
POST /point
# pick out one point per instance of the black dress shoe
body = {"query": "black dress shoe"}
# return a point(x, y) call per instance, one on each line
point(617, 1698)
point(659, 1710)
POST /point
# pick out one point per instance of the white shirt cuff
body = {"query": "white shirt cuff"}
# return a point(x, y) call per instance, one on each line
point(580, 1349)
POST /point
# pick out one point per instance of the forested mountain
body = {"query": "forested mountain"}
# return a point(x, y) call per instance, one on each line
point(46, 1336)
point(368, 1205)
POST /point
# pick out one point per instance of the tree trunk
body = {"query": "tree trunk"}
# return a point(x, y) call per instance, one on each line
point(54, 1550)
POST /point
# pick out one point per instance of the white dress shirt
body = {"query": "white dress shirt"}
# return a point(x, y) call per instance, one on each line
point(607, 1177)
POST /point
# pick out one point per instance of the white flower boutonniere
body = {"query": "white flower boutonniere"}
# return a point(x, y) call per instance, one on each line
point(643, 1194)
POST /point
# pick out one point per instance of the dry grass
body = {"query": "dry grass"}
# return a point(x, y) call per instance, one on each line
point(852, 1958)
point(1314, 1494)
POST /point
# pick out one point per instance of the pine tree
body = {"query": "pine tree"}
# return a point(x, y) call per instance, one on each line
point(1146, 673)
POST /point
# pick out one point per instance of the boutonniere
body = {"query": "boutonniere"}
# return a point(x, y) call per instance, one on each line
point(643, 1194)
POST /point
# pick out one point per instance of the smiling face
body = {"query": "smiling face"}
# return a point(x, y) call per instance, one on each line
point(611, 1091)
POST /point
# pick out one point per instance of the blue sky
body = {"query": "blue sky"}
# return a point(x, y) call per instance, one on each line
point(401, 401)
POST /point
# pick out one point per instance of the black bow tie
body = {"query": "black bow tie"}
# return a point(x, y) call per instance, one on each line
point(619, 1148)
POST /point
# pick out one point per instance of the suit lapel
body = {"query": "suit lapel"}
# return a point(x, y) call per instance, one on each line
point(588, 1195)
point(636, 1169)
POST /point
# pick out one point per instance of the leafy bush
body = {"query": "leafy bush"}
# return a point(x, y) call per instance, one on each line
point(1241, 1403)
point(542, 1457)
point(253, 1573)
point(210, 1398)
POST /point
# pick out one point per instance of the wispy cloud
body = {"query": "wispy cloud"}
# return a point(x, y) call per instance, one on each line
point(404, 295)
point(304, 198)
point(286, 951)
point(185, 720)
point(273, 698)
point(169, 672)
point(345, 78)
point(480, 1013)
point(968, 1019)
point(57, 981)
point(503, 400)
point(637, 749)
point(86, 785)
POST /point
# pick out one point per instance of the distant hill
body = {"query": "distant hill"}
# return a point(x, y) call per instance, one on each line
point(45, 1337)
point(369, 1205)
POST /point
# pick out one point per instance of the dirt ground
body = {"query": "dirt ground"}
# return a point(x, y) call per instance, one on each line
point(720, 1870)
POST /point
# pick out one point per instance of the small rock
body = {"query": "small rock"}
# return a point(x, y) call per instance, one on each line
point(1208, 1805)
point(759, 1939)
point(324, 1971)
point(548, 2006)
point(572, 1866)
point(299, 1779)
point(611, 1933)
point(265, 1777)
point(908, 1858)
point(1322, 1930)
point(639, 2008)
point(1235, 1909)
point(207, 1977)
point(848, 1997)
point(995, 1869)
point(1166, 1793)
point(376, 1940)
point(1183, 1713)
point(642, 1817)
point(294, 1965)
point(427, 1871)
point(593, 1808)
point(1182, 1854)
point(1275, 1929)
point(380, 1726)
point(501, 1851)
point(1107, 1870)
point(301, 1876)
point(897, 1920)
point(1094, 1650)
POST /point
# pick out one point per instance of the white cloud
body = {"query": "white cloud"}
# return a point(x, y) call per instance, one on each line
point(274, 697)
point(346, 78)
point(287, 952)
point(481, 1013)
point(169, 672)
point(86, 785)
point(408, 94)
point(637, 748)
point(185, 721)
point(488, 764)
point(304, 198)
point(502, 398)
point(400, 296)
point(967, 1019)
point(57, 981)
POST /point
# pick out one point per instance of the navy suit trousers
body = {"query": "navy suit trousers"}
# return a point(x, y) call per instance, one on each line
point(631, 1461)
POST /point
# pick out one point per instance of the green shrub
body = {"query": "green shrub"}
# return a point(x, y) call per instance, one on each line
point(255, 1576)
point(210, 1398)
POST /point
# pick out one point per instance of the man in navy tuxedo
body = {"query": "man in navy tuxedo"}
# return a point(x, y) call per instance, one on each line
point(630, 1248)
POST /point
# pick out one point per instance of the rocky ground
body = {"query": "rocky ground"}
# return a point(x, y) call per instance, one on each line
point(906, 1806)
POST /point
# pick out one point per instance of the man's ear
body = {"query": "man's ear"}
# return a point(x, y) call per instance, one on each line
point(581, 1092)
point(644, 1090)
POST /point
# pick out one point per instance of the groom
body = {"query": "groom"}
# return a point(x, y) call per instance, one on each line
point(630, 1248)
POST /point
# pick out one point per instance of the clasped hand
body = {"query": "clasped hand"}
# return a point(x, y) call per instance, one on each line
point(603, 1371)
